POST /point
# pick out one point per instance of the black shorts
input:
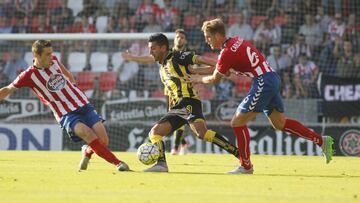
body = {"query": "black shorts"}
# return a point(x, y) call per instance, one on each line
point(186, 111)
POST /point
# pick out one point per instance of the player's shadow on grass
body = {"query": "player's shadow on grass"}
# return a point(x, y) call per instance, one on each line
point(310, 176)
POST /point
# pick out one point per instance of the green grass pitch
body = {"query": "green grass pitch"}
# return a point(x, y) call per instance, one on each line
point(27, 176)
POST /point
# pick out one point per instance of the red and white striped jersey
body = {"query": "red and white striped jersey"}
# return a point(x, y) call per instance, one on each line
point(53, 88)
point(241, 57)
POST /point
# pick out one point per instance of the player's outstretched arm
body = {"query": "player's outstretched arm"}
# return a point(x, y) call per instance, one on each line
point(202, 70)
point(207, 79)
point(6, 91)
point(67, 73)
point(205, 60)
point(140, 59)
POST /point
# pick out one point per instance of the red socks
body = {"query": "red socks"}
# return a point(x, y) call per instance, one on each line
point(103, 152)
point(243, 142)
point(296, 128)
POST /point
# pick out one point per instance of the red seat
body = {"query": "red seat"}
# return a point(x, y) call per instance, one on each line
point(107, 81)
point(85, 80)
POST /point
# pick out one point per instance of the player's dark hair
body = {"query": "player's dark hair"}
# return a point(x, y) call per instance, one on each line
point(39, 45)
point(159, 39)
point(181, 31)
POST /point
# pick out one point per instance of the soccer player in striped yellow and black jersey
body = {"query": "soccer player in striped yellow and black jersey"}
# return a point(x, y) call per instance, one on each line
point(180, 42)
point(185, 104)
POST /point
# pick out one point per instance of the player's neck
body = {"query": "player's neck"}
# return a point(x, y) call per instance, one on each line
point(38, 65)
point(164, 57)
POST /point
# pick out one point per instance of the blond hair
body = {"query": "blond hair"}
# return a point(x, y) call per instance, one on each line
point(214, 26)
point(39, 45)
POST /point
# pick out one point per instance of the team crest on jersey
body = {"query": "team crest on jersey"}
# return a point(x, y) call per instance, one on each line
point(56, 82)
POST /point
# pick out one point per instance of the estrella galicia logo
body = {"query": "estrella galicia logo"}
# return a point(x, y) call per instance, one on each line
point(226, 110)
point(56, 82)
point(350, 143)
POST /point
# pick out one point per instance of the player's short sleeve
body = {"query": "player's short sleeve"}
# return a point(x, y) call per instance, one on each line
point(185, 57)
point(223, 64)
point(23, 79)
point(296, 69)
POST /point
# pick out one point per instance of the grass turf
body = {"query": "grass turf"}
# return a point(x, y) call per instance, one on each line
point(32, 176)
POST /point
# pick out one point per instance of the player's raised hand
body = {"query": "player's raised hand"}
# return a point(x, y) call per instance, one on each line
point(126, 55)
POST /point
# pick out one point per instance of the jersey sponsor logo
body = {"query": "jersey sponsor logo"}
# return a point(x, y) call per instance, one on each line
point(350, 143)
point(236, 45)
point(253, 57)
point(56, 82)
point(184, 54)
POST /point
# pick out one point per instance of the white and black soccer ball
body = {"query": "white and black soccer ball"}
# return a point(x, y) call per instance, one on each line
point(148, 153)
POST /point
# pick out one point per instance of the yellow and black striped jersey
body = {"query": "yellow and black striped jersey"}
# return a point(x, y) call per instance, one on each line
point(172, 74)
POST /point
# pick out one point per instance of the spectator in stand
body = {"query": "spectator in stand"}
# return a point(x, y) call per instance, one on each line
point(91, 9)
point(305, 75)
point(357, 65)
point(336, 4)
point(305, 7)
point(126, 80)
point(175, 24)
point(267, 33)
point(180, 4)
point(62, 17)
point(287, 85)
point(311, 30)
point(15, 65)
point(288, 29)
point(241, 28)
point(297, 48)
point(82, 25)
point(346, 61)
point(27, 7)
point(145, 11)
point(196, 38)
point(167, 14)
point(152, 25)
point(5, 25)
point(43, 26)
point(336, 27)
point(322, 19)
point(20, 26)
point(352, 26)
point(328, 58)
point(7, 8)
point(277, 60)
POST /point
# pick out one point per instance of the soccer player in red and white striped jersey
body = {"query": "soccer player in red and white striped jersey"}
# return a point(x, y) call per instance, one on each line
point(240, 57)
point(55, 86)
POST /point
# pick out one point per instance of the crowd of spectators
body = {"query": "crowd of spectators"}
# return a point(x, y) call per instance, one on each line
point(300, 38)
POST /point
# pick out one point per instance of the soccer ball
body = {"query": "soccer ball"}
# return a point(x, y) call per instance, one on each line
point(148, 153)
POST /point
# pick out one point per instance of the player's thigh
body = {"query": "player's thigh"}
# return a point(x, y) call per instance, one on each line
point(242, 118)
point(101, 133)
point(163, 128)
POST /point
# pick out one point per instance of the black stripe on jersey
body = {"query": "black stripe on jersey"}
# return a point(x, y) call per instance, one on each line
point(178, 86)
point(177, 68)
point(180, 73)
